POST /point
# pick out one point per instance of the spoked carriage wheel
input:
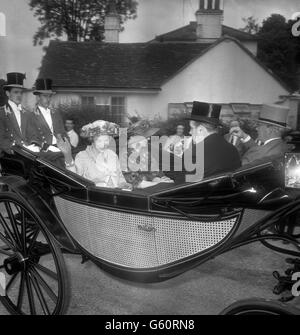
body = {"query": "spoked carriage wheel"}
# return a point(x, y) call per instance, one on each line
point(36, 280)
point(260, 307)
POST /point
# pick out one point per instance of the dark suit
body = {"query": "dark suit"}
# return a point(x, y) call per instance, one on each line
point(11, 133)
point(45, 133)
point(219, 157)
point(255, 152)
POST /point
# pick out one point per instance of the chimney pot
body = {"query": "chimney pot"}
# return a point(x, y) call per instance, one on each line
point(209, 21)
point(112, 25)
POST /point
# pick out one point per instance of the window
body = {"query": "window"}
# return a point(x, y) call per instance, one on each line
point(118, 109)
point(88, 101)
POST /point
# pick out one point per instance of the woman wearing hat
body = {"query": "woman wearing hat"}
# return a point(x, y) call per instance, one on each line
point(97, 163)
point(272, 125)
point(140, 160)
point(16, 126)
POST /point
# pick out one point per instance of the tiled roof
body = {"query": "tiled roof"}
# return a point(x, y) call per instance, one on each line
point(188, 34)
point(105, 65)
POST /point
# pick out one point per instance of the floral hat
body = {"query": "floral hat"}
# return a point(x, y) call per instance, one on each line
point(99, 127)
point(142, 128)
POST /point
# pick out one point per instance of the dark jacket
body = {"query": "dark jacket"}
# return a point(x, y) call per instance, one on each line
point(44, 132)
point(215, 156)
point(10, 132)
point(274, 148)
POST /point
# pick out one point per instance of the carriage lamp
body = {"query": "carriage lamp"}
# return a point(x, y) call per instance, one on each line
point(292, 170)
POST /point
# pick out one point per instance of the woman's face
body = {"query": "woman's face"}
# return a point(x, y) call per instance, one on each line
point(101, 142)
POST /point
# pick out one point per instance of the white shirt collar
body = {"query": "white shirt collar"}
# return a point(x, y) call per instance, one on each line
point(272, 139)
point(14, 106)
point(44, 110)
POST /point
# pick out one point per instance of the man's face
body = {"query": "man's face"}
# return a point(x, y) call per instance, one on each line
point(196, 131)
point(69, 124)
point(180, 131)
point(44, 100)
point(15, 95)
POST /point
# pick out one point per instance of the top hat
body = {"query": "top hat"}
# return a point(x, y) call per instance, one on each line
point(275, 115)
point(204, 112)
point(15, 80)
point(43, 86)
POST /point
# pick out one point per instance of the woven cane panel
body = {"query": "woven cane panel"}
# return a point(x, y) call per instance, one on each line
point(109, 235)
point(118, 238)
point(176, 240)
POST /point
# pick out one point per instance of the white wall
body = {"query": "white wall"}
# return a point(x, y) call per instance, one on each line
point(225, 74)
point(252, 46)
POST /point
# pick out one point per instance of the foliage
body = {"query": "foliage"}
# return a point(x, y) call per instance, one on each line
point(278, 49)
point(252, 25)
point(78, 20)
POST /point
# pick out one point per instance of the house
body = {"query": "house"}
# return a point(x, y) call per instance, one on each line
point(204, 60)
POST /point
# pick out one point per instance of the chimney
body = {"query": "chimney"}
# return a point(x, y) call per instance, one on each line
point(3, 46)
point(2, 25)
point(112, 24)
point(209, 21)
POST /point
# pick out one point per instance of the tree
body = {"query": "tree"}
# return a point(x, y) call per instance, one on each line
point(78, 20)
point(252, 26)
point(278, 49)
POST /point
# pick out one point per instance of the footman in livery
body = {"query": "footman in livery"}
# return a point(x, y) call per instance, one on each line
point(16, 123)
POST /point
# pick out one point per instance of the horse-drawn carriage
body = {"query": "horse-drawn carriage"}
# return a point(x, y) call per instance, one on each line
point(148, 235)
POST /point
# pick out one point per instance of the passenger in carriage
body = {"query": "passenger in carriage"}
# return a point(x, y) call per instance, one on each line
point(208, 147)
point(175, 143)
point(141, 161)
point(272, 126)
point(97, 163)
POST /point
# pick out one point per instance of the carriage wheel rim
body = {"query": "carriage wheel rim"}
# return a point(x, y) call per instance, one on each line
point(22, 255)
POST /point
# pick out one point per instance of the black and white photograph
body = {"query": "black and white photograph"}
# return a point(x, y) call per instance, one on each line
point(149, 160)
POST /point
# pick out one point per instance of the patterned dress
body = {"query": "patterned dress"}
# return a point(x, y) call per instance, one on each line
point(101, 168)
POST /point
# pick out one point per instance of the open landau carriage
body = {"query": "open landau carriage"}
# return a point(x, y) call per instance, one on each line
point(145, 236)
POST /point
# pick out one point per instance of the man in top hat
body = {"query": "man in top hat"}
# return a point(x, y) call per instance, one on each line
point(208, 150)
point(49, 124)
point(272, 125)
point(16, 126)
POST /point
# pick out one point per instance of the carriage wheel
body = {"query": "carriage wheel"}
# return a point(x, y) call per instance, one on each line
point(260, 307)
point(31, 263)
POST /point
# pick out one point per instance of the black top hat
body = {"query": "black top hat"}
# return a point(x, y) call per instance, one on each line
point(15, 80)
point(43, 86)
point(204, 112)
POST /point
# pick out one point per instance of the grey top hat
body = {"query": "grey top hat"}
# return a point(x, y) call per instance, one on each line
point(275, 115)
